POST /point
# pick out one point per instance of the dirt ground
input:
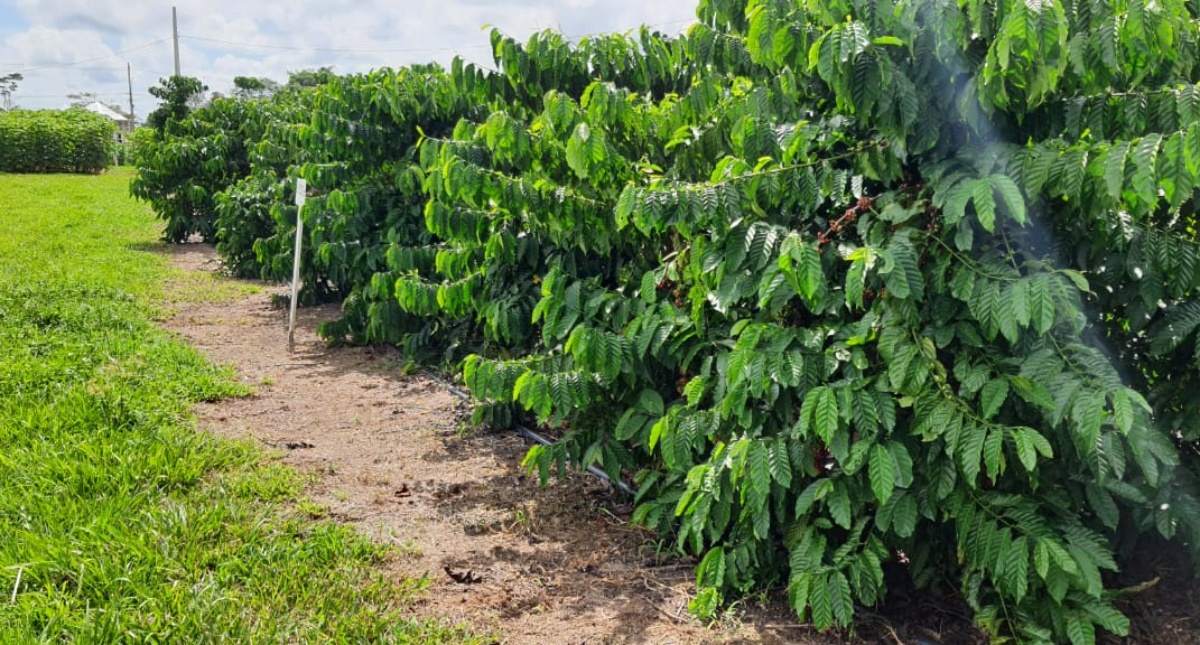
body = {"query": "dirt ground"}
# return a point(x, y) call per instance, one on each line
point(390, 455)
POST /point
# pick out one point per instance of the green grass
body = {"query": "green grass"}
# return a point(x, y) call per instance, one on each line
point(121, 521)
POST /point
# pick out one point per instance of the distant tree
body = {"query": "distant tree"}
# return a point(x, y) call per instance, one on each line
point(254, 87)
point(178, 95)
point(8, 85)
point(82, 99)
point(310, 77)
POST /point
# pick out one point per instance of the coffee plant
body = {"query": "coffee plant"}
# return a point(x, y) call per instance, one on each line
point(55, 141)
point(838, 285)
point(182, 169)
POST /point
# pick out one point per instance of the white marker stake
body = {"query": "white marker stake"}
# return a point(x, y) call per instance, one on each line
point(301, 188)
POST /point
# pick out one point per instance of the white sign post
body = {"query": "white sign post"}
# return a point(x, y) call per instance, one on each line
point(301, 190)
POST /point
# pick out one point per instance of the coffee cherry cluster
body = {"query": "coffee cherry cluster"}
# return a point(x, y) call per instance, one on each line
point(675, 289)
point(933, 218)
point(848, 218)
point(821, 459)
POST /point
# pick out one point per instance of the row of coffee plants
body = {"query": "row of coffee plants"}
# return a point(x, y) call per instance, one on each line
point(836, 284)
point(55, 141)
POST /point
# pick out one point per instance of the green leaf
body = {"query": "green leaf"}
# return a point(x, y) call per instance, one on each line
point(963, 284)
point(825, 415)
point(883, 475)
point(1179, 324)
point(993, 396)
point(1087, 413)
point(780, 463)
point(1192, 149)
point(1036, 165)
point(1016, 568)
point(957, 198)
point(711, 570)
point(1176, 181)
point(1080, 630)
point(993, 452)
point(945, 479)
point(971, 451)
point(1025, 450)
point(630, 424)
point(840, 598)
point(821, 599)
point(901, 272)
point(904, 518)
point(651, 402)
point(1041, 559)
point(903, 463)
point(799, 589)
point(1076, 277)
point(1103, 506)
point(1114, 169)
point(985, 204)
point(1107, 617)
point(1010, 194)
point(1058, 556)
point(758, 478)
point(801, 262)
point(695, 390)
point(1041, 304)
point(1018, 301)
point(578, 151)
point(1032, 392)
point(855, 281)
point(886, 512)
point(1144, 181)
point(814, 493)
point(1122, 410)
point(839, 506)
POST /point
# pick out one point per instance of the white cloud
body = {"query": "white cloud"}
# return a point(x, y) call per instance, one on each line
point(61, 32)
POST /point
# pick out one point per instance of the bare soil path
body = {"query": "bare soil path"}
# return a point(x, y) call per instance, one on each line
point(389, 455)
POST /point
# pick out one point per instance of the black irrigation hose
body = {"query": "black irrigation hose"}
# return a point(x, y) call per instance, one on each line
point(622, 486)
point(531, 435)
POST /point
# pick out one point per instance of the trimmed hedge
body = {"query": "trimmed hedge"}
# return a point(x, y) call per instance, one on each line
point(55, 141)
point(848, 289)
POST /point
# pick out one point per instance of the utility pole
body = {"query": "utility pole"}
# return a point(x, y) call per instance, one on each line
point(129, 77)
point(175, 33)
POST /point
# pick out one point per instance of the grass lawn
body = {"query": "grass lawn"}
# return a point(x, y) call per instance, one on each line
point(118, 521)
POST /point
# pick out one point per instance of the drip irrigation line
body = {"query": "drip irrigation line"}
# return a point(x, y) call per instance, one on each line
point(533, 436)
point(530, 434)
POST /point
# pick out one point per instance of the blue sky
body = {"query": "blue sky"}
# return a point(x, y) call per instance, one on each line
point(73, 46)
point(11, 20)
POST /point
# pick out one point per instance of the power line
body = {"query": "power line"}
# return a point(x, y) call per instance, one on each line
point(342, 50)
point(386, 50)
point(19, 95)
point(76, 64)
point(26, 67)
point(113, 68)
point(391, 50)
